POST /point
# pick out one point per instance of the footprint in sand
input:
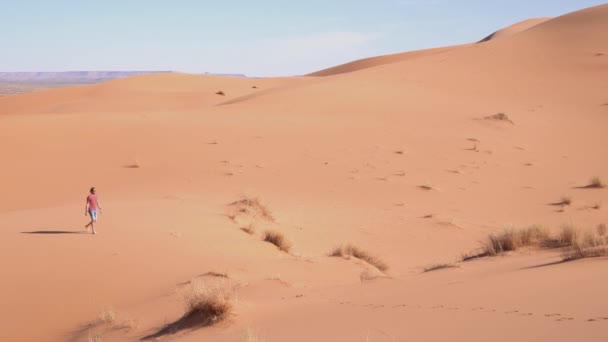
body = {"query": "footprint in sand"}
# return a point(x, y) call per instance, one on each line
point(552, 315)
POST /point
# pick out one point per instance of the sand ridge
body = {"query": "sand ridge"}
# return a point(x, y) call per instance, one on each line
point(394, 155)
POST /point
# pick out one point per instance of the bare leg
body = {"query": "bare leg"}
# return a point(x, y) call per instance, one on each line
point(93, 226)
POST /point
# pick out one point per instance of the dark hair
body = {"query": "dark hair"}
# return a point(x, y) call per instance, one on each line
point(92, 189)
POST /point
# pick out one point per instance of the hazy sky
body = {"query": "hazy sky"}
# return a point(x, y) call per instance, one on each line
point(258, 38)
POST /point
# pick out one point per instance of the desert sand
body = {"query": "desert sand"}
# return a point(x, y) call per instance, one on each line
point(395, 154)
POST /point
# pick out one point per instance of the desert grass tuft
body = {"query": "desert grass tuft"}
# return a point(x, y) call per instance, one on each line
point(565, 201)
point(567, 235)
point(277, 239)
point(359, 253)
point(586, 245)
point(249, 229)
point(512, 239)
point(107, 315)
point(251, 335)
point(208, 304)
point(601, 229)
point(596, 183)
point(221, 93)
point(440, 266)
point(252, 206)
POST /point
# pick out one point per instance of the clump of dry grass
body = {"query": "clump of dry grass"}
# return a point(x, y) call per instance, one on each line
point(601, 229)
point(567, 235)
point(207, 304)
point(221, 93)
point(511, 239)
point(499, 117)
point(440, 266)
point(251, 336)
point(565, 201)
point(359, 253)
point(249, 229)
point(596, 206)
point(596, 183)
point(252, 206)
point(107, 315)
point(277, 239)
point(425, 187)
point(586, 245)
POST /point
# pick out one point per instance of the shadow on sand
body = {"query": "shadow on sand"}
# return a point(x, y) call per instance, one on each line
point(53, 232)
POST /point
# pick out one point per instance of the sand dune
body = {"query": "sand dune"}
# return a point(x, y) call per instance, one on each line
point(402, 156)
point(515, 28)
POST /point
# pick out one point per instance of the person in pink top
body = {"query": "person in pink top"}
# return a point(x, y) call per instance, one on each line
point(91, 209)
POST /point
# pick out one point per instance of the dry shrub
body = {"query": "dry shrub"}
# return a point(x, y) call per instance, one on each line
point(359, 253)
point(511, 239)
point(568, 235)
point(277, 239)
point(253, 207)
point(251, 335)
point(499, 117)
point(566, 201)
point(596, 183)
point(586, 245)
point(107, 315)
point(207, 304)
point(440, 266)
point(601, 229)
point(249, 229)
point(221, 93)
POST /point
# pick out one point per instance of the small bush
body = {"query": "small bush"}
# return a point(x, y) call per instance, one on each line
point(208, 304)
point(249, 229)
point(586, 245)
point(359, 253)
point(107, 315)
point(601, 229)
point(511, 239)
point(277, 239)
point(252, 206)
point(567, 235)
point(596, 183)
point(566, 201)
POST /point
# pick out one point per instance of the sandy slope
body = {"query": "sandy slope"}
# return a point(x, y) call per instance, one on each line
point(336, 159)
point(515, 28)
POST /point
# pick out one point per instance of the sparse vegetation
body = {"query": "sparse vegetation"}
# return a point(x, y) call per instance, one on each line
point(499, 117)
point(596, 183)
point(567, 235)
point(359, 253)
point(277, 239)
point(511, 239)
point(574, 243)
point(601, 229)
point(107, 315)
point(249, 229)
point(565, 201)
point(596, 206)
point(253, 207)
point(208, 304)
point(221, 93)
point(439, 266)
point(586, 245)
point(425, 187)
point(252, 336)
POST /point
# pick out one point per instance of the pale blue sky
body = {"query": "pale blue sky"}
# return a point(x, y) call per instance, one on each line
point(257, 38)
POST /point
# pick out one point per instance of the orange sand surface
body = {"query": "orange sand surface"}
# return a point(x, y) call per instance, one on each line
point(394, 154)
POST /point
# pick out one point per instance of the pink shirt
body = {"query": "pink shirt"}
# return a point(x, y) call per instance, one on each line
point(92, 201)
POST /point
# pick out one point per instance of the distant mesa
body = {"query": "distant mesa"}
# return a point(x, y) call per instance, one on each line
point(80, 77)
